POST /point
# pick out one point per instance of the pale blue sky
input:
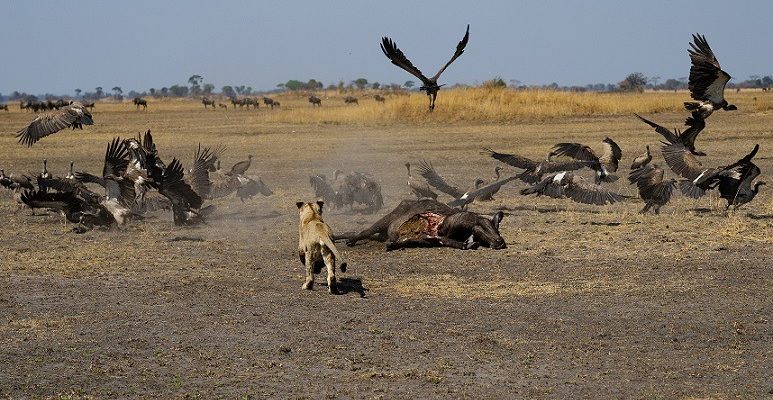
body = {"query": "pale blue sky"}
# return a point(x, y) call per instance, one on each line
point(56, 46)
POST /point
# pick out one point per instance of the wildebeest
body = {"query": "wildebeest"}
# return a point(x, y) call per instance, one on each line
point(249, 101)
point(208, 102)
point(429, 223)
point(351, 100)
point(139, 101)
point(379, 98)
point(4, 107)
point(269, 102)
point(89, 105)
point(315, 101)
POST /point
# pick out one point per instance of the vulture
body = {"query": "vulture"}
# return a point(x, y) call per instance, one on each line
point(83, 206)
point(241, 167)
point(419, 188)
point(734, 182)
point(603, 165)
point(480, 182)
point(250, 186)
point(652, 188)
point(429, 85)
point(355, 187)
point(17, 184)
point(461, 198)
point(684, 164)
point(642, 160)
point(707, 80)
point(71, 174)
point(185, 201)
point(44, 174)
point(567, 184)
point(696, 124)
point(481, 192)
point(534, 170)
point(73, 115)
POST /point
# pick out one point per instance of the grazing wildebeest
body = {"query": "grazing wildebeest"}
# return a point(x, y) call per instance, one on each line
point(208, 102)
point(429, 223)
point(4, 107)
point(249, 101)
point(269, 102)
point(351, 100)
point(139, 101)
point(379, 98)
point(221, 105)
point(89, 105)
point(315, 101)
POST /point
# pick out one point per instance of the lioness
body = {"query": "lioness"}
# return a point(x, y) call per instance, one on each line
point(315, 246)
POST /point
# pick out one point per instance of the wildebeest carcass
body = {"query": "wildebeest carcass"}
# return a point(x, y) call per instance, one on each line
point(429, 223)
point(139, 101)
point(355, 187)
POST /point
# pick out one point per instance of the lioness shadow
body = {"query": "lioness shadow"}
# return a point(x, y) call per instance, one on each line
point(348, 285)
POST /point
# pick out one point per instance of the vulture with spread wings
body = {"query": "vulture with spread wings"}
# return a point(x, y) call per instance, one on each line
point(687, 138)
point(534, 170)
point(566, 184)
point(429, 85)
point(604, 165)
point(707, 80)
point(73, 115)
point(734, 181)
point(653, 189)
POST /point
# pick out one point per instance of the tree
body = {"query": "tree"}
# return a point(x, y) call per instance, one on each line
point(314, 84)
point(634, 82)
point(672, 84)
point(228, 91)
point(195, 81)
point(409, 84)
point(281, 86)
point(152, 92)
point(375, 85)
point(78, 92)
point(164, 91)
point(293, 85)
point(117, 91)
point(208, 88)
point(100, 94)
point(653, 80)
point(360, 83)
point(767, 81)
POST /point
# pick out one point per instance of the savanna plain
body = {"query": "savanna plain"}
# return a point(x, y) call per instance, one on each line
point(585, 301)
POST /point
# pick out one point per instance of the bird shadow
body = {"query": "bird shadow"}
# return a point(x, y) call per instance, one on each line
point(349, 285)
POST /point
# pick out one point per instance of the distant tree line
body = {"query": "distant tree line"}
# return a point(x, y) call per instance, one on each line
point(634, 82)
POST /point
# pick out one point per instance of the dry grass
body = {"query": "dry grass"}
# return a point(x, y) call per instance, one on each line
point(473, 105)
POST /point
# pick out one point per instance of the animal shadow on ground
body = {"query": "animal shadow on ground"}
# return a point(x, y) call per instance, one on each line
point(759, 216)
point(348, 285)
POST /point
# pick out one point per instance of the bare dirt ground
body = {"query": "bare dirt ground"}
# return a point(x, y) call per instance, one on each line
point(586, 302)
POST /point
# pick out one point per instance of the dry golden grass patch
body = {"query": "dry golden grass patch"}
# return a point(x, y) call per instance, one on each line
point(453, 287)
point(481, 105)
